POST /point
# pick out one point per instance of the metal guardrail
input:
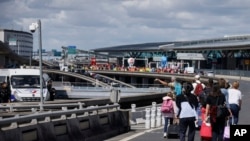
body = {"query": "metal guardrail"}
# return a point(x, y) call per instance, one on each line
point(240, 73)
point(12, 107)
point(83, 85)
point(14, 122)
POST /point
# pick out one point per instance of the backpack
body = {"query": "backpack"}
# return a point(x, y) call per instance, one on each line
point(177, 88)
point(198, 89)
point(167, 106)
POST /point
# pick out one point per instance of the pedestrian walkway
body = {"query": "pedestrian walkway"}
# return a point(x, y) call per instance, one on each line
point(140, 133)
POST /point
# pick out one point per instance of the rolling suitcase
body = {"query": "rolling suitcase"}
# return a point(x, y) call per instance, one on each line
point(173, 131)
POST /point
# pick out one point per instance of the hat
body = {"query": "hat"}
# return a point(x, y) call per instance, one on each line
point(197, 76)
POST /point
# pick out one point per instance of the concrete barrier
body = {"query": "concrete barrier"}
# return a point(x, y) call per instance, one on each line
point(76, 127)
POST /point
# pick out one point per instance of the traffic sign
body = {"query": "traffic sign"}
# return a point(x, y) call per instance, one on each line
point(71, 49)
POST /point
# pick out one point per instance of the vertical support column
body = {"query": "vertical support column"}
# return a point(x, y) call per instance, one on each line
point(40, 63)
point(199, 63)
point(133, 81)
point(193, 64)
point(121, 78)
point(144, 82)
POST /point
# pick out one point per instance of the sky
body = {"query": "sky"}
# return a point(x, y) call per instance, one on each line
point(92, 24)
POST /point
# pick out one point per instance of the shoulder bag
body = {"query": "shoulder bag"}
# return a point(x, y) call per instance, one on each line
point(222, 110)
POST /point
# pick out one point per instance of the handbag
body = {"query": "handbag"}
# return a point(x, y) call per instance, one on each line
point(222, 110)
point(226, 134)
point(206, 130)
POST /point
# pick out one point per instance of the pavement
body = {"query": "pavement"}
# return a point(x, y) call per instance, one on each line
point(139, 133)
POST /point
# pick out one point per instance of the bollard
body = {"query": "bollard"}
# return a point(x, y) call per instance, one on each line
point(158, 117)
point(80, 105)
point(147, 118)
point(133, 107)
point(153, 110)
point(153, 104)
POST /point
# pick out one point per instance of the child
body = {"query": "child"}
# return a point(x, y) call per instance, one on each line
point(169, 116)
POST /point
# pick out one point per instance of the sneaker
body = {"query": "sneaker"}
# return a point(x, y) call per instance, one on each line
point(165, 135)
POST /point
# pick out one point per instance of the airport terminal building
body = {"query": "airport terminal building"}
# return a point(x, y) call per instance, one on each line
point(228, 52)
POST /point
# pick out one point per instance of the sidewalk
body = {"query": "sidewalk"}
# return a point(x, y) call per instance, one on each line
point(139, 133)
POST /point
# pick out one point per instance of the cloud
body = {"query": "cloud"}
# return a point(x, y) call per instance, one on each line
point(90, 24)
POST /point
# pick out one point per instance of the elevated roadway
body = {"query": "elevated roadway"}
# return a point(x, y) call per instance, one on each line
point(181, 77)
point(116, 81)
point(89, 79)
point(79, 76)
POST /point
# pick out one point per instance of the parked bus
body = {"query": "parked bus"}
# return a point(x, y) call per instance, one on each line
point(24, 84)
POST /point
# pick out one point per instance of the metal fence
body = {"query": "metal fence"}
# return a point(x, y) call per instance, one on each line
point(236, 73)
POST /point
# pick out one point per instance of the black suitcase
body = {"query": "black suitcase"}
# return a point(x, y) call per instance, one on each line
point(173, 131)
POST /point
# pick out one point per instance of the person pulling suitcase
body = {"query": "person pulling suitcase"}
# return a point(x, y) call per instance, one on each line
point(187, 104)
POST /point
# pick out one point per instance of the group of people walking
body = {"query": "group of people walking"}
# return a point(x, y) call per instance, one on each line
point(206, 100)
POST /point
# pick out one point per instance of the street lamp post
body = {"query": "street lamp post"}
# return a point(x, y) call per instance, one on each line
point(32, 28)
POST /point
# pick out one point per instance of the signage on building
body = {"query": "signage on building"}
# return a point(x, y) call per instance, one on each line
point(190, 56)
point(157, 59)
point(12, 41)
point(131, 61)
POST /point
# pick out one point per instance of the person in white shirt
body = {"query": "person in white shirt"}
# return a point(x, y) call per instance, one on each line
point(187, 104)
point(235, 101)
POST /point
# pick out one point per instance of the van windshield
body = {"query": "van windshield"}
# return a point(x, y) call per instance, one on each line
point(25, 81)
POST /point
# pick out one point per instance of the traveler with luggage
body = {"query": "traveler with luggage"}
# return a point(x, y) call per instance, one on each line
point(168, 109)
point(215, 100)
point(187, 104)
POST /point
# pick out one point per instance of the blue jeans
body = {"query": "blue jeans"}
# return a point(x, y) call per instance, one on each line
point(166, 123)
point(235, 112)
point(184, 124)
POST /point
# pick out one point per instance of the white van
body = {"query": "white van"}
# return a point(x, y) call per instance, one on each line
point(24, 84)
